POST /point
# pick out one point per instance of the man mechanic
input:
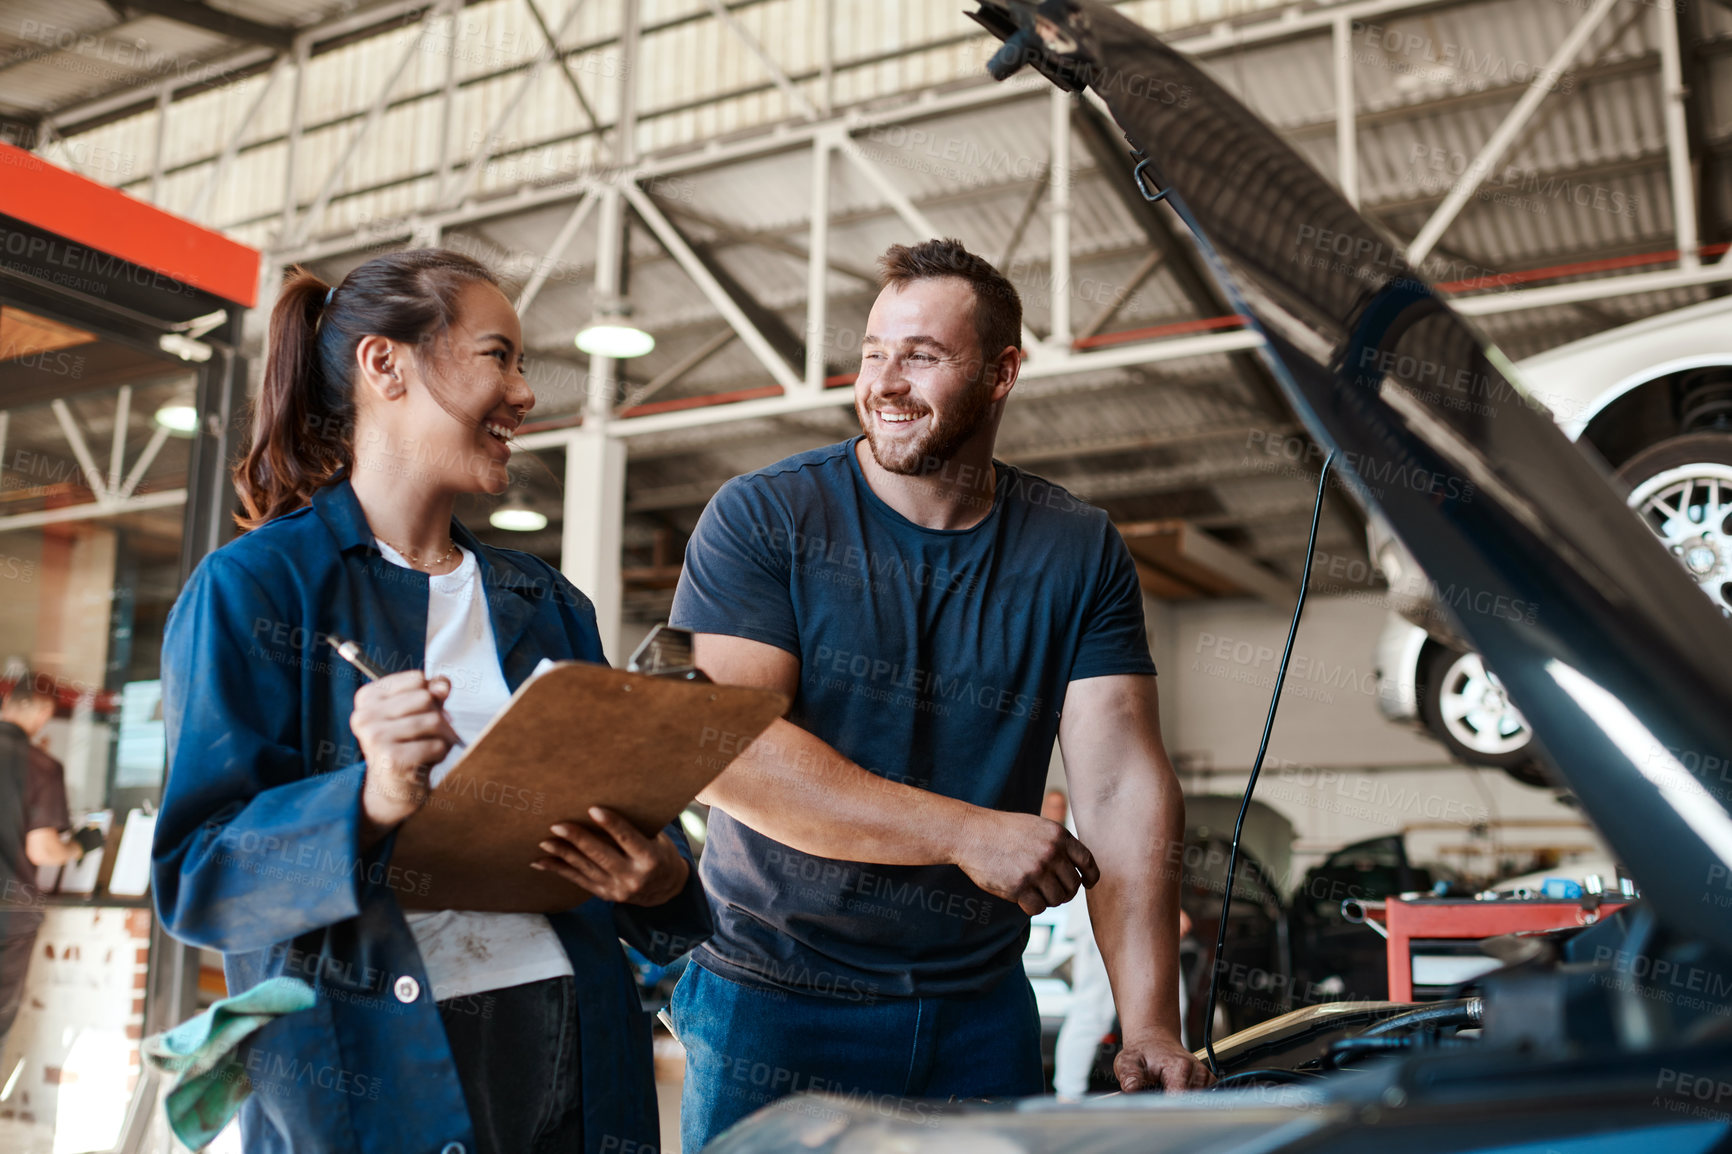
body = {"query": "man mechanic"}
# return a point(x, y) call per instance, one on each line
point(937, 618)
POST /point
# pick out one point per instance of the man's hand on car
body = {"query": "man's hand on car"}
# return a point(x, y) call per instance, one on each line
point(1158, 1061)
point(1023, 858)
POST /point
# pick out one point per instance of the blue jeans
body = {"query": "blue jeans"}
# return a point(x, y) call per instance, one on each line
point(747, 1046)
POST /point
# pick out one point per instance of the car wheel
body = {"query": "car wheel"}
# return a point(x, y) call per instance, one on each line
point(1465, 706)
point(1682, 490)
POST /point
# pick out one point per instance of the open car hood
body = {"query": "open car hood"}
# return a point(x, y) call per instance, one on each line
point(1623, 668)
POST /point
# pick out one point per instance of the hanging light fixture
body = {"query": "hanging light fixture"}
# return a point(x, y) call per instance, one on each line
point(611, 334)
point(516, 516)
point(179, 418)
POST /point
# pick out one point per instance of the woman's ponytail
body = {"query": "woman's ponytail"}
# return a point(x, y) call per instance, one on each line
point(304, 416)
point(301, 423)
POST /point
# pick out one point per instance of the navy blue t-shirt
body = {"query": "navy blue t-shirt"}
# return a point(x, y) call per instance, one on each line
point(937, 658)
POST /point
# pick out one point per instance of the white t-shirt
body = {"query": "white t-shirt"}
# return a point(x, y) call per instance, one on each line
point(467, 952)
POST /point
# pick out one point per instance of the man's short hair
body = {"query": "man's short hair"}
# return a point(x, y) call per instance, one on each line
point(26, 689)
point(997, 307)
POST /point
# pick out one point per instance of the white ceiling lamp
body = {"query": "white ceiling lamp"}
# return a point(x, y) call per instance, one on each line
point(183, 342)
point(611, 334)
point(515, 516)
point(184, 347)
point(178, 418)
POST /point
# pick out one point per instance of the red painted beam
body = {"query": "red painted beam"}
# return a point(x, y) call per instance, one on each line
point(101, 220)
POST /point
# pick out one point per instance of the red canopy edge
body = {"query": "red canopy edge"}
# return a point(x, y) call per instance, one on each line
point(94, 216)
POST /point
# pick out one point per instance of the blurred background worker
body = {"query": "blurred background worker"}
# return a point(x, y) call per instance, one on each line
point(32, 817)
point(1092, 1015)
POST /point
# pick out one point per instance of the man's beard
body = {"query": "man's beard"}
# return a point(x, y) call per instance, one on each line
point(944, 437)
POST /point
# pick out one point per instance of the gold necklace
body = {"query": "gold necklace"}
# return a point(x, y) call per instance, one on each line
point(414, 559)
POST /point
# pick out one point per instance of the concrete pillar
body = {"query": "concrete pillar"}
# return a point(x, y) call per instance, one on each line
point(594, 521)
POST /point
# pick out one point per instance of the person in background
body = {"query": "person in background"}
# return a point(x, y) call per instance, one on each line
point(1092, 1014)
point(33, 832)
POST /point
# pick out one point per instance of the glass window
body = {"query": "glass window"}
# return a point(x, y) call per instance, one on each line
point(94, 459)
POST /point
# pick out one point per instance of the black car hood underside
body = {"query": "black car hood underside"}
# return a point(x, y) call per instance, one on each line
point(1623, 667)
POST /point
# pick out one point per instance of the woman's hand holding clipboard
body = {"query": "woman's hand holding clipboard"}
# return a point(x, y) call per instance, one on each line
point(613, 861)
point(577, 742)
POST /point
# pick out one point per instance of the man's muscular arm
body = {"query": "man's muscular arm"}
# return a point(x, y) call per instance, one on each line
point(1127, 804)
point(795, 788)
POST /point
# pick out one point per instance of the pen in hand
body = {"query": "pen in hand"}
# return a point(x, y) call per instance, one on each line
point(351, 652)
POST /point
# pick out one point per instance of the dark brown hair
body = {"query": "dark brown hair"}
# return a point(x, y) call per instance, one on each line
point(997, 308)
point(304, 416)
point(28, 688)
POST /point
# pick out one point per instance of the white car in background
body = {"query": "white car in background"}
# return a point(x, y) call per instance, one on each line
point(1654, 399)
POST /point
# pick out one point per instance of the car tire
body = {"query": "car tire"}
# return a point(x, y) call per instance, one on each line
point(1682, 490)
point(1464, 706)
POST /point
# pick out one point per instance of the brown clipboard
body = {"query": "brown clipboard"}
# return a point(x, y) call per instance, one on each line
point(575, 736)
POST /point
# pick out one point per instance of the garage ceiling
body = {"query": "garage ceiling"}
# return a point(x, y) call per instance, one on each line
point(1585, 190)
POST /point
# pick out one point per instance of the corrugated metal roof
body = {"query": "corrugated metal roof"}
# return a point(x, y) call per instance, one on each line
point(58, 53)
point(1587, 178)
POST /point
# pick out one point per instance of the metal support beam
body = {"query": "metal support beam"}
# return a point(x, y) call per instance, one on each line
point(1346, 112)
point(1145, 270)
point(827, 62)
point(1489, 304)
point(1288, 22)
point(448, 94)
point(80, 450)
point(630, 47)
point(781, 138)
point(680, 368)
point(795, 96)
point(676, 247)
point(1506, 133)
point(164, 96)
point(291, 158)
point(167, 499)
point(733, 234)
point(1042, 452)
point(564, 66)
point(609, 280)
point(272, 36)
point(911, 216)
point(1029, 208)
point(1179, 348)
point(1058, 212)
point(158, 438)
point(375, 113)
point(561, 241)
point(1165, 234)
point(594, 528)
point(1673, 97)
point(818, 266)
point(117, 443)
point(219, 171)
point(1284, 23)
point(490, 140)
